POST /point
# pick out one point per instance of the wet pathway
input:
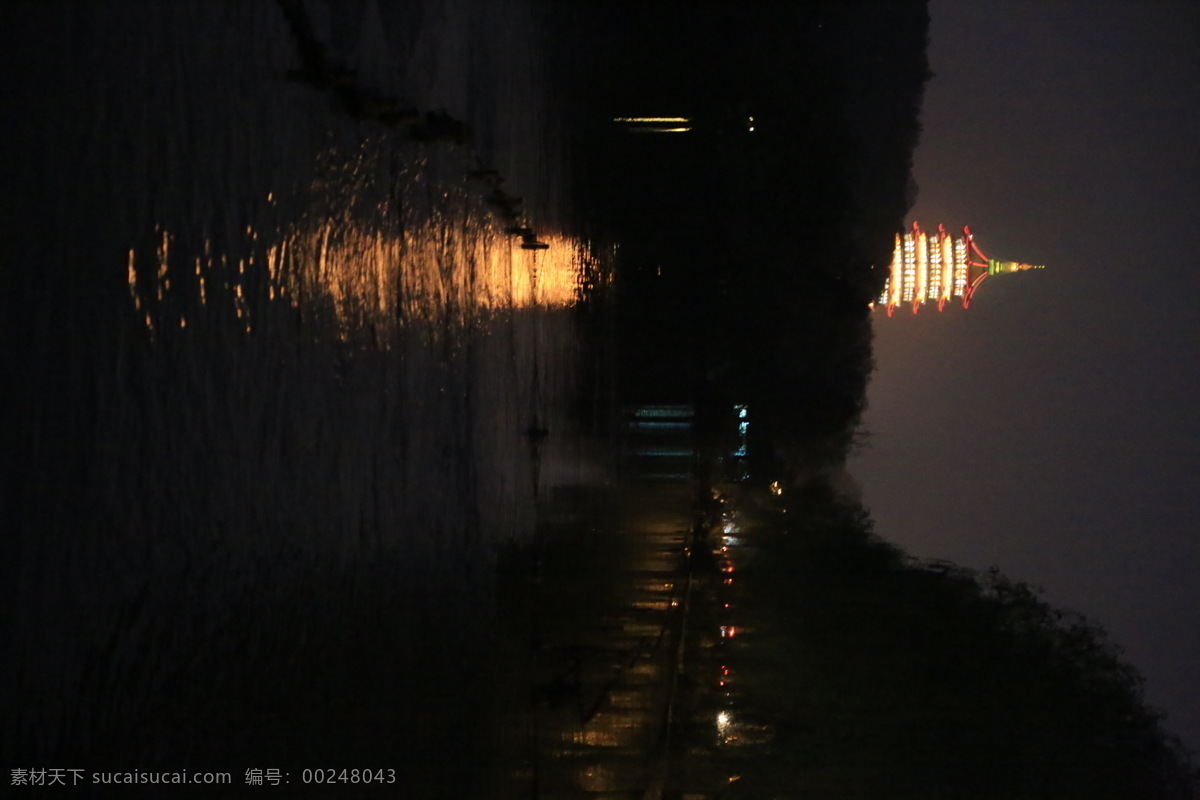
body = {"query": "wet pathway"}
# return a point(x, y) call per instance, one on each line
point(601, 615)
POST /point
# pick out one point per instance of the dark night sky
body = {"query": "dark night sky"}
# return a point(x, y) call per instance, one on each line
point(1053, 429)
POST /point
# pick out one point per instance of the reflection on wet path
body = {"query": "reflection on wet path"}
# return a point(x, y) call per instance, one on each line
point(602, 617)
point(636, 638)
point(724, 731)
point(638, 655)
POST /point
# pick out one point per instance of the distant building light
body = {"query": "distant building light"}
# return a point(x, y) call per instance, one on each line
point(655, 124)
point(651, 119)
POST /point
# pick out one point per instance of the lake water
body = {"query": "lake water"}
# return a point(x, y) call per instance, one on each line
point(283, 382)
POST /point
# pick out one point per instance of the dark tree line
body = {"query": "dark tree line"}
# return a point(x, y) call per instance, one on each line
point(885, 677)
point(749, 257)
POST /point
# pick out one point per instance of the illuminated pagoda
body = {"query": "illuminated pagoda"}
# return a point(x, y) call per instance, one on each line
point(938, 267)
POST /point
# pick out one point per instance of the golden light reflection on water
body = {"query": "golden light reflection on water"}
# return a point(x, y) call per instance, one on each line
point(441, 271)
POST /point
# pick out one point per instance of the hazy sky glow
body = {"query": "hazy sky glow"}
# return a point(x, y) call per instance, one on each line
point(1053, 429)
